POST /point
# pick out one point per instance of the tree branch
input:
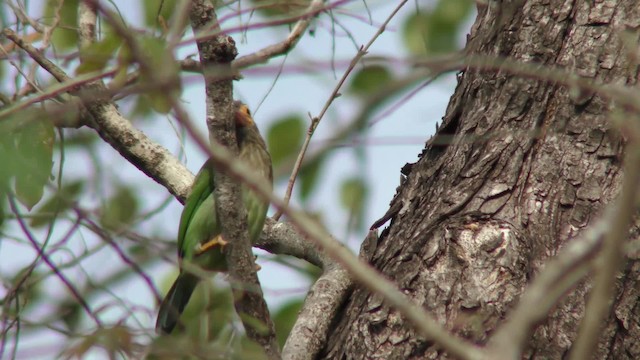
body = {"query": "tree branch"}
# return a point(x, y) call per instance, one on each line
point(334, 95)
point(76, 294)
point(282, 238)
point(263, 55)
point(249, 301)
point(311, 329)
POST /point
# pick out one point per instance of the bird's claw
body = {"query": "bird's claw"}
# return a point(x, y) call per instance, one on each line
point(216, 241)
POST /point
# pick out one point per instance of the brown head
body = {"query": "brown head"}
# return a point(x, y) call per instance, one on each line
point(243, 115)
point(253, 149)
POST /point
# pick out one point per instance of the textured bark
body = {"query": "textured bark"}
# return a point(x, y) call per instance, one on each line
point(519, 167)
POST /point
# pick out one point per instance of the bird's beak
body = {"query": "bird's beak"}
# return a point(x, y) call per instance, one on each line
point(243, 116)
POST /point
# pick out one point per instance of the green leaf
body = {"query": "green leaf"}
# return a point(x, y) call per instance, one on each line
point(8, 151)
point(116, 339)
point(158, 101)
point(26, 152)
point(27, 291)
point(65, 36)
point(247, 349)
point(141, 107)
point(353, 193)
point(34, 147)
point(278, 8)
point(308, 177)
point(413, 33)
point(285, 137)
point(57, 203)
point(370, 80)
point(254, 323)
point(96, 56)
point(436, 31)
point(3, 67)
point(154, 8)
point(70, 312)
point(82, 138)
point(120, 210)
point(159, 58)
point(285, 318)
point(162, 73)
point(3, 203)
point(453, 13)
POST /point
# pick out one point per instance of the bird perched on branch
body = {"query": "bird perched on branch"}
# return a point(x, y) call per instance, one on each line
point(199, 241)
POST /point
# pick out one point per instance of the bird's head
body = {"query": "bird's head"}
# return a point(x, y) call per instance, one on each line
point(246, 129)
point(252, 147)
point(243, 115)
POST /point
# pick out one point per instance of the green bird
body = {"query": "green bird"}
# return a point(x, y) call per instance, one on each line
point(199, 240)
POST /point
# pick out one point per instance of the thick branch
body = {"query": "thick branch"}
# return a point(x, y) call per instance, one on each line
point(282, 238)
point(310, 332)
point(311, 329)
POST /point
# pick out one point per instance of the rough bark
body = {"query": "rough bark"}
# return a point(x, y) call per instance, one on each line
point(519, 167)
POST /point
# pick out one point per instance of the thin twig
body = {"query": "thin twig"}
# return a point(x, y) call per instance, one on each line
point(260, 56)
point(309, 334)
point(50, 264)
point(36, 55)
point(121, 253)
point(315, 121)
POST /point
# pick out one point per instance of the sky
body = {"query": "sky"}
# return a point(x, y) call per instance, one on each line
point(390, 142)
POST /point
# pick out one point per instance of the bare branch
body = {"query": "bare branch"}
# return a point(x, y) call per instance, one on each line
point(309, 334)
point(36, 55)
point(311, 329)
point(87, 20)
point(283, 47)
point(334, 95)
point(282, 238)
point(51, 265)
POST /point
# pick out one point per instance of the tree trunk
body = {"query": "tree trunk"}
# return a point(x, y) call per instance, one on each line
point(519, 167)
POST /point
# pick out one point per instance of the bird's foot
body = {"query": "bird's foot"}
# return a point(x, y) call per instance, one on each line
point(216, 241)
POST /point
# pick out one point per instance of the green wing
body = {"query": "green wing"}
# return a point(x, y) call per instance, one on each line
point(256, 213)
point(202, 189)
point(198, 224)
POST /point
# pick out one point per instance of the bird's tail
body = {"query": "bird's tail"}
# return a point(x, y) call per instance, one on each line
point(174, 302)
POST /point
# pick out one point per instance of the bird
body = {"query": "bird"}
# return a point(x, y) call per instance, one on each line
point(199, 240)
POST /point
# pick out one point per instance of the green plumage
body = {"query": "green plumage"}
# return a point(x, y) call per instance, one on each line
point(198, 224)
